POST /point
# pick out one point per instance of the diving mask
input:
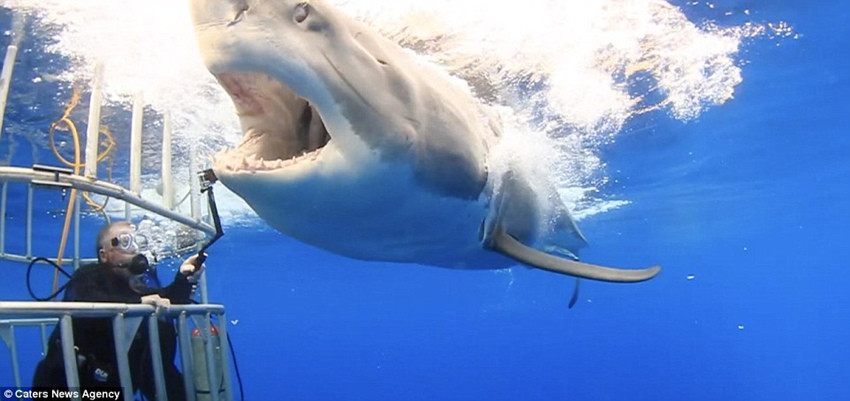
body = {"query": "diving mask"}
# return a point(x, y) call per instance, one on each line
point(130, 242)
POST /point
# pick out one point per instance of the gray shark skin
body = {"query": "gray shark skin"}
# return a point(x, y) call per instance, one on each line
point(353, 145)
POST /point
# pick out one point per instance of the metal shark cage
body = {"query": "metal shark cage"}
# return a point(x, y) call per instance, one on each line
point(203, 352)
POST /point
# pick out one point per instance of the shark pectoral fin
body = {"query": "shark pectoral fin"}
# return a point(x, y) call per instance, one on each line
point(506, 244)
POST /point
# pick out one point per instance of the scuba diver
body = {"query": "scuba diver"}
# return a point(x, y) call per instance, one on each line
point(121, 275)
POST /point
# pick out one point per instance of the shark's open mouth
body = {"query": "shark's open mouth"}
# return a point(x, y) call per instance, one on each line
point(279, 127)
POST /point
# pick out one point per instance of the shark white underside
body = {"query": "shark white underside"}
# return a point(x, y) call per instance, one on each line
point(352, 145)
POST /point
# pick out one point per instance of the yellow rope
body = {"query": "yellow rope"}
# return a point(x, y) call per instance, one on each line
point(71, 200)
point(65, 124)
point(70, 126)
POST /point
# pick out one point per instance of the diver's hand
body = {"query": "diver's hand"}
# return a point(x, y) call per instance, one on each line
point(156, 300)
point(189, 269)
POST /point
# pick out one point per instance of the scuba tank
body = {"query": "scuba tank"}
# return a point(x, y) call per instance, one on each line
point(203, 386)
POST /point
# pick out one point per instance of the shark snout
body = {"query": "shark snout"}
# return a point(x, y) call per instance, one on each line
point(218, 12)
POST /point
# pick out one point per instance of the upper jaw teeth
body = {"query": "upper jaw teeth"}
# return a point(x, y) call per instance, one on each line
point(234, 161)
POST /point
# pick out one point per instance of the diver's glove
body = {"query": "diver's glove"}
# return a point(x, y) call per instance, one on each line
point(191, 269)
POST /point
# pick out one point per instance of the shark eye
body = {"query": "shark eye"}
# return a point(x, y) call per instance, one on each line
point(301, 12)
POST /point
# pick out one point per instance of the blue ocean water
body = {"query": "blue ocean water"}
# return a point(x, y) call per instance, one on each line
point(745, 207)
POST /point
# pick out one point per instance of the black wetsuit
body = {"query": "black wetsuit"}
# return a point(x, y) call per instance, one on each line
point(97, 363)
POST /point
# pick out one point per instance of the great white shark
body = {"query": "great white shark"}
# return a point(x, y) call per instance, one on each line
point(354, 145)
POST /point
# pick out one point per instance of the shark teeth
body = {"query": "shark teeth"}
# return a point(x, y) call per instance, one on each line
point(235, 161)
